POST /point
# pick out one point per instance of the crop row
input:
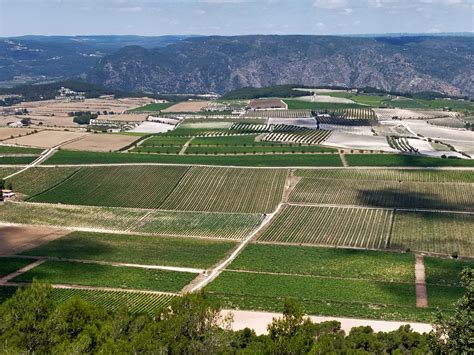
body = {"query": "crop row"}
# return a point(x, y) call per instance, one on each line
point(350, 227)
point(306, 137)
point(401, 144)
point(118, 186)
point(278, 114)
point(444, 196)
point(134, 302)
point(232, 226)
point(454, 176)
point(220, 189)
point(358, 113)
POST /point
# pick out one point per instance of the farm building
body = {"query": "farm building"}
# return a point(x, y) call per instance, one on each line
point(7, 194)
point(267, 104)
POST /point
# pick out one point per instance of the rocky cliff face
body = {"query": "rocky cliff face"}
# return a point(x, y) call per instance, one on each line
point(220, 64)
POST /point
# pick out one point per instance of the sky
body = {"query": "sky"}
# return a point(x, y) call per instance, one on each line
point(233, 17)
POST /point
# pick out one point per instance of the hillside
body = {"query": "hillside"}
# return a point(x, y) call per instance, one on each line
point(220, 64)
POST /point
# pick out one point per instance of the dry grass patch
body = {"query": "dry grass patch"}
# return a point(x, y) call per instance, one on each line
point(101, 142)
point(7, 133)
point(46, 139)
point(187, 106)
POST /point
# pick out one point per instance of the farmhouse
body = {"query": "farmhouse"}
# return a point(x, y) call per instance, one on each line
point(267, 104)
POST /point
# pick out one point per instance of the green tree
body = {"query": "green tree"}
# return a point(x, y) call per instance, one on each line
point(454, 334)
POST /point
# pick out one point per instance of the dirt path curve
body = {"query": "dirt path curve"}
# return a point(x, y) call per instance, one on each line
point(420, 277)
point(259, 321)
point(200, 282)
point(343, 159)
point(185, 146)
point(4, 280)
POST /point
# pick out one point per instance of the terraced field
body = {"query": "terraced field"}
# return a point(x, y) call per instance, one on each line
point(61, 272)
point(134, 302)
point(228, 190)
point(36, 180)
point(375, 193)
point(444, 233)
point(232, 226)
point(118, 186)
point(135, 249)
point(333, 226)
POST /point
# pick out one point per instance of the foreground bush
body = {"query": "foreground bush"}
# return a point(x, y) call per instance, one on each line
point(31, 323)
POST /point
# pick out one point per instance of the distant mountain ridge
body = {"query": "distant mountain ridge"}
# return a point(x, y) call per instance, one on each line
point(221, 64)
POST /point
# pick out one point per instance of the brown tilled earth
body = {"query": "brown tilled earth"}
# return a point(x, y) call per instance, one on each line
point(101, 142)
point(187, 106)
point(15, 239)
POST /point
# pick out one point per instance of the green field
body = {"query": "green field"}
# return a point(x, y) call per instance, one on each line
point(134, 302)
point(327, 262)
point(458, 176)
point(61, 272)
point(136, 249)
point(157, 150)
point(385, 193)
point(4, 172)
point(119, 186)
point(443, 297)
point(6, 150)
point(404, 160)
point(461, 106)
point(163, 141)
point(9, 265)
point(226, 141)
point(36, 180)
point(254, 149)
point(153, 107)
point(443, 233)
point(74, 158)
point(306, 105)
point(6, 160)
point(445, 271)
point(228, 190)
point(332, 226)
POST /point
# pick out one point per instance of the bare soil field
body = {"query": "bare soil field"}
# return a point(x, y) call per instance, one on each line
point(388, 113)
point(15, 239)
point(187, 106)
point(357, 141)
point(55, 113)
point(46, 139)
point(101, 142)
point(7, 133)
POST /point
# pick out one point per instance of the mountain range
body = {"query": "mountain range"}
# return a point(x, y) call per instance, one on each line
point(220, 64)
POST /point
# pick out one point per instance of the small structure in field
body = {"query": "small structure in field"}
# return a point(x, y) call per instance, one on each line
point(6, 194)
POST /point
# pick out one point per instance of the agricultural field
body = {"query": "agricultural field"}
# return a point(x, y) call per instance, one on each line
point(329, 226)
point(111, 186)
point(227, 190)
point(36, 180)
point(386, 194)
point(46, 139)
point(402, 144)
point(433, 232)
point(9, 265)
point(445, 272)
point(318, 295)
point(304, 137)
point(326, 262)
point(4, 172)
point(232, 226)
point(255, 149)
point(101, 142)
point(294, 104)
point(134, 302)
point(97, 275)
point(278, 114)
point(162, 141)
point(15, 160)
point(186, 106)
point(400, 160)
point(8, 133)
point(12, 150)
point(75, 158)
point(135, 249)
point(154, 107)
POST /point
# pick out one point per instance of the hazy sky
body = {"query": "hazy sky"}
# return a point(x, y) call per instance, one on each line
point(233, 17)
